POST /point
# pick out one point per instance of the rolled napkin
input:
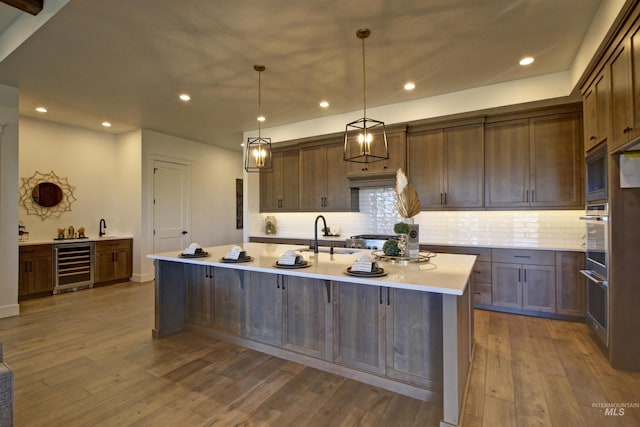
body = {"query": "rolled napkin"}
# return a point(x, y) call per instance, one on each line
point(193, 249)
point(364, 264)
point(236, 252)
point(291, 258)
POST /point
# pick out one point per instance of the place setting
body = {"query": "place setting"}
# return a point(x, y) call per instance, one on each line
point(236, 255)
point(194, 251)
point(292, 260)
point(365, 266)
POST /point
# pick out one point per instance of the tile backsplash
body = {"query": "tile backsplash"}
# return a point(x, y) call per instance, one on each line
point(557, 229)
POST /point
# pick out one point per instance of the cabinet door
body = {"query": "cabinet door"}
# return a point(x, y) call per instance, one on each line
point(270, 185)
point(397, 143)
point(507, 164)
point(425, 163)
point(122, 268)
point(506, 285)
point(280, 188)
point(35, 276)
point(414, 337)
point(464, 160)
point(290, 179)
point(227, 299)
point(104, 270)
point(590, 117)
point(313, 180)
point(570, 289)
point(263, 308)
point(539, 288)
point(305, 305)
point(337, 191)
point(621, 96)
point(556, 161)
point(198, 285)
point(359, 326)
point(635, 81)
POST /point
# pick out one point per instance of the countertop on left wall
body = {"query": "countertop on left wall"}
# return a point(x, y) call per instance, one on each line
point(88, 239)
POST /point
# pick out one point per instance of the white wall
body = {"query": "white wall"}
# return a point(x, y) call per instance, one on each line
point(212, 191)
point(8, 202)
point(88, 159)
point(129, 197)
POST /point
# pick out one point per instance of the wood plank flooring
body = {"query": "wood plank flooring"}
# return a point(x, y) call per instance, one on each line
point(87, 359)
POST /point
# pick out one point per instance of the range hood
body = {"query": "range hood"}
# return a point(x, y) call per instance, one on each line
point(371, 181)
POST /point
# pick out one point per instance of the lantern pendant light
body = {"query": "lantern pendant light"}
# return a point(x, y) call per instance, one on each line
point(365, 140)
point(257, 156)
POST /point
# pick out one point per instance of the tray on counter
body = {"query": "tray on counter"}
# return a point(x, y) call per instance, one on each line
point(303, 264)
point(378, 272)
point(236, 261)
point(198, 255)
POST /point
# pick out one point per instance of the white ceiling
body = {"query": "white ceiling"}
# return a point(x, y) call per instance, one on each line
point(126, 61)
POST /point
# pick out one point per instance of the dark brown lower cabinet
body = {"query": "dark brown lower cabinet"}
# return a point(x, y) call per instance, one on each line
point(527, 287)
point(570, 284)
point(113, 260)
point(262, 308)
point(35, 274)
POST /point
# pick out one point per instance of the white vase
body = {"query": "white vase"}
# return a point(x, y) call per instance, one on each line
point(413, 239)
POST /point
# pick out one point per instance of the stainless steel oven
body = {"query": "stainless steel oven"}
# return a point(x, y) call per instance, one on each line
point(597, 270)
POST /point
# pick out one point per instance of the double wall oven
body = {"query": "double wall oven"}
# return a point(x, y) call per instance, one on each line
point(597, 269)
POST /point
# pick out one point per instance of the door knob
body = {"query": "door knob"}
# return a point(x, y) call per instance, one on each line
point(185, 232)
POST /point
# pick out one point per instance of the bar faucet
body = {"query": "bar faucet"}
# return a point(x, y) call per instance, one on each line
point(315, 230)
point(103, 227)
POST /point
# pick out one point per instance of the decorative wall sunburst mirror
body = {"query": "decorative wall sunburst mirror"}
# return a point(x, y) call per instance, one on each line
point(46, 195)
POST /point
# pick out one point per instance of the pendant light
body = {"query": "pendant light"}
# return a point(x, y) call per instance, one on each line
point(257, 156)
point(365, 140)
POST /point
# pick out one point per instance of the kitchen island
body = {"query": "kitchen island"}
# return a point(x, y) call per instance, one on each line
point(410, 331)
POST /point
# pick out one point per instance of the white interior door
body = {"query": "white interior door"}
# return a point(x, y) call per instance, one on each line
point(170, 206)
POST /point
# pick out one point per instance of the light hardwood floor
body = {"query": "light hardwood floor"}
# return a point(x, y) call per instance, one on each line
point(87, 358)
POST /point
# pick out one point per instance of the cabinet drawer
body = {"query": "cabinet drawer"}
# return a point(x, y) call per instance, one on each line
point(113, 245)
point(482, 271)
point(36, 250)
point(523, 256)
point(482, 293)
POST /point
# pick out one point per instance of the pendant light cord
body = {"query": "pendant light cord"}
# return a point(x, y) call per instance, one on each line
point(364, 83)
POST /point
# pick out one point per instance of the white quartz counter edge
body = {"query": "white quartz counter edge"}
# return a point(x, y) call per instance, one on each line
point(445, 274)
point(62, 242)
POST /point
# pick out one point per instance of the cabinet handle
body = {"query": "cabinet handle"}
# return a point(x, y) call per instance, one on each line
point(533, 196)
point(627, 129)
point(525, 276)
point(527, 196)
point(519, 275)
point(388, 296)
point(445, 197)
point(522, 256)
point(593, 138)
point(327, 285)
point(380, 292)
point(441, 199)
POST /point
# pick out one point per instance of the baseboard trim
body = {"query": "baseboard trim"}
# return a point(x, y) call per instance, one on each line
point(9, 310)
point(141, 278)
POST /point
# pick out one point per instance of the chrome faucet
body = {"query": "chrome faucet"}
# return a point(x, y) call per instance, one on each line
point(315, 230)
point(103, 227)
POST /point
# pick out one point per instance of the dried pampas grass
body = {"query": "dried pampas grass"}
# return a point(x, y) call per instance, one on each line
point(408, 202)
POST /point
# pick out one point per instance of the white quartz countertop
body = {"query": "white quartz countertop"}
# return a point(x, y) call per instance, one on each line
point(63, 241)
point(445, 273)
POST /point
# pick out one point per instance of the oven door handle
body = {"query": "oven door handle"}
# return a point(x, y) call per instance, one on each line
point(594, 218)
point(589, 275)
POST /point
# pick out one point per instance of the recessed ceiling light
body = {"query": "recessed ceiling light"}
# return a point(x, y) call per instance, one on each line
point(41, 110)
point(106, 124)
point(527, 60)
point(184, 97)
point(409, 86)
point(324, 104)
point(261, 118)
